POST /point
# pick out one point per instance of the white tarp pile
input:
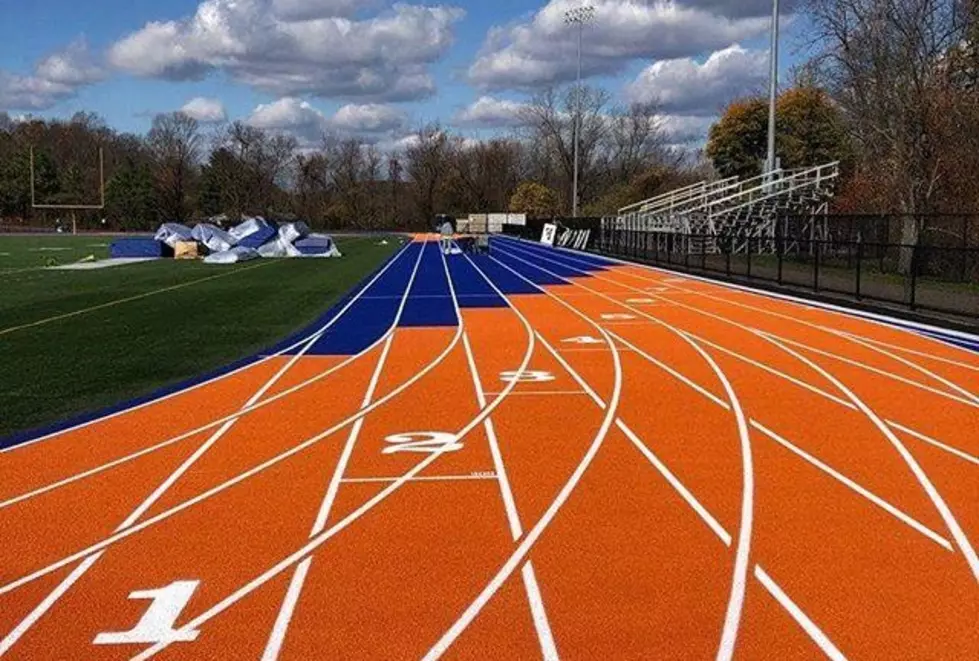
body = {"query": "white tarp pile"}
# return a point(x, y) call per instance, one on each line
point(252, 238)
point(171, 233)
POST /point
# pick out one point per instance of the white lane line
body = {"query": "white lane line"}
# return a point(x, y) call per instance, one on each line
point(308, 342)
point(52, 598)
point(953, 525)
point(853, 337)
point(821, 392)
point(855, 363)
point(183, 391)
point(476, 477)
point(538, 613)
point(878, 371)
point(742, 552)
point(931, 441)
point(814, 632)
point(542, 393)
point(915, 366)
point(523, 549)
point(882, 321)
point(277, 636)
point(326, 535)
point(866, 493)
point(801, 618)
point(650, 456)
point(920, 354)
point(889, 508)
point(9, 587)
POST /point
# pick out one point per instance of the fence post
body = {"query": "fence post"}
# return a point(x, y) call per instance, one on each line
point(779, 251)
point(815, 266)
point(914, 276)
point(748, 249)
point(964, 271)
point(859, 263)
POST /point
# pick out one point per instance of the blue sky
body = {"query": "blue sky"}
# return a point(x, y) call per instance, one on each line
point(293, 64)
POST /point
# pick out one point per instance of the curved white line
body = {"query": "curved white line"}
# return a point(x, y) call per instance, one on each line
point(971, 401)
point(315, 542)
point(26, 623)
point(879, 320)
point(953, 525)
point(273, 646)
point(913, 365)
point(520, 553)
point(105, 543)
point(228, 418)
point(739, 577)
point(182, 391)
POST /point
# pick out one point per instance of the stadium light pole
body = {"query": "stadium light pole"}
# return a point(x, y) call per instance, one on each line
point(772, 93)
point(578, 16)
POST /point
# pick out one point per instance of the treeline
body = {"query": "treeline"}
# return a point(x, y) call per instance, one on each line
point(182, 171)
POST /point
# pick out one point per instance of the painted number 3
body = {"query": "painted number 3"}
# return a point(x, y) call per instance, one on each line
point(158, 622)
point(530, 376)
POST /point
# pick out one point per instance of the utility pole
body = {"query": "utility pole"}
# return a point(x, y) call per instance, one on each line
point(770, 163)
point(578, 17)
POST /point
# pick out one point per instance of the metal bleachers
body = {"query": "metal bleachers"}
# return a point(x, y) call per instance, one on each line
point(724, 215)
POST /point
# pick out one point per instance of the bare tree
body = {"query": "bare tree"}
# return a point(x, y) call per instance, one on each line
point(551, 117)
point(175, 144)
point(427, 165)
point(884, 61)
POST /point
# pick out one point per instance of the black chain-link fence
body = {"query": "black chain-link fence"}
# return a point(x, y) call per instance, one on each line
point(920, 262)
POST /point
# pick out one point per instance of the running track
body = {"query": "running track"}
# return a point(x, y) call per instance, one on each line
point(531, 454)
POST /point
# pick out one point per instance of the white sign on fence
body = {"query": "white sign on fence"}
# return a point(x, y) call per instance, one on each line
point(550, 231)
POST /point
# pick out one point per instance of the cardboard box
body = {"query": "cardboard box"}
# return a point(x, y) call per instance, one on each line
point(186, 250)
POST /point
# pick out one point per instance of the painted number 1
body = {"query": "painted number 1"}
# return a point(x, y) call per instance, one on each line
point(158, 622)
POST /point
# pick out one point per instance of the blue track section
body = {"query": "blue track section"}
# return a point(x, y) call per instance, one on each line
point(471, 287)
point(536, 274)
point(582, 261)
point(430, 299)
point(371, 316)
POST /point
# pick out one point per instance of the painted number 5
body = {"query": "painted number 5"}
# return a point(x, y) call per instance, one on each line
point(157, 623)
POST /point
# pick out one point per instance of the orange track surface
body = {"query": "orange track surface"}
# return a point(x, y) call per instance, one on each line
point(539, 532)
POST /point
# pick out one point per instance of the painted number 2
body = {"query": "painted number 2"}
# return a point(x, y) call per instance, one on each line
point(422, 441)
point(158, 622)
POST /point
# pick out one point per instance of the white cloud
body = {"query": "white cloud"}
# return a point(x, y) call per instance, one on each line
point(205, 110)
point(685, 129)
point(369, 118)
point(489, 112)
point(381, 58)
point(304, 10)
point(542, 50)
point(293, 115)
point(686, 86)
point(55, 78)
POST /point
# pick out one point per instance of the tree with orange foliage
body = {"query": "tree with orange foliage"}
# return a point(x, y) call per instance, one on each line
point(810, 131)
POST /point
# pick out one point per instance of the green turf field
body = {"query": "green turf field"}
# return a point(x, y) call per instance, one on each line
point(72, 341)
point(37, 251)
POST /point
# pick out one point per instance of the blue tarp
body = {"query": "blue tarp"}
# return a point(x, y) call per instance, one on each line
point(139, 248)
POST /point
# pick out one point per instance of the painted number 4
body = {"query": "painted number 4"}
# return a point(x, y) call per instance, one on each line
point(158, 622)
